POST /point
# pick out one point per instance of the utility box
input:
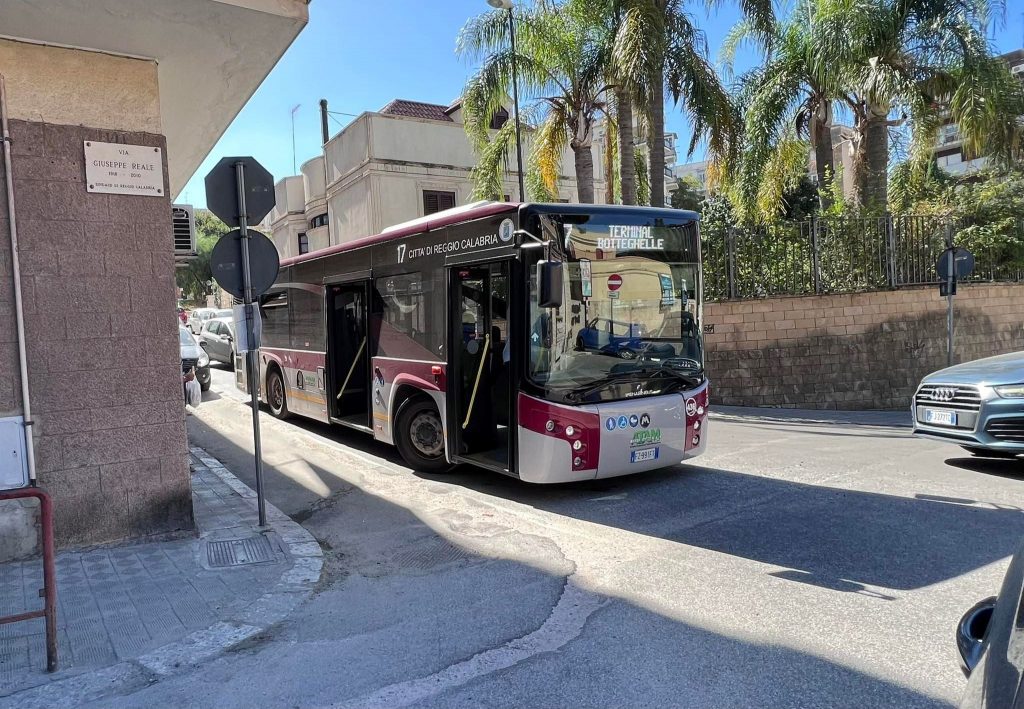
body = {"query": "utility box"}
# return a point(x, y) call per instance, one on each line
point(13, 463)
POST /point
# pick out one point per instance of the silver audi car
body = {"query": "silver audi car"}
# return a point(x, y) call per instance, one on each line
point(978, 405)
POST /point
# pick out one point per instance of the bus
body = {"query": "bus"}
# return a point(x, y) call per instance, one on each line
point(549, 342)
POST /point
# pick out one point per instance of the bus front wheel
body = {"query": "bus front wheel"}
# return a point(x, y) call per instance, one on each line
point(419, 436)
point(276, 397)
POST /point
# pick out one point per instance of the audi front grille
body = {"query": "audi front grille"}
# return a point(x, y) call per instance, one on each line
point(949, 396)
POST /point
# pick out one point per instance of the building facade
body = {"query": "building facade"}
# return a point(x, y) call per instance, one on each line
point(950, 152)
point(103, 368)
point(405, 161)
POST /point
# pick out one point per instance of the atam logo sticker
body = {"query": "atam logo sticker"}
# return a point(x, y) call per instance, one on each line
point(648, 437)
point(691, 407)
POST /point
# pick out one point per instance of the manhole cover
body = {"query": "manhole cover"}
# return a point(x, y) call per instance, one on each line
point(238, 552)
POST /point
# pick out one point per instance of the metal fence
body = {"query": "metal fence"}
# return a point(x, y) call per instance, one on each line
point(838, 255)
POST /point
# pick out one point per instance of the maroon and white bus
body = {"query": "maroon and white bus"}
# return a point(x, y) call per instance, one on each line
point(550, 342)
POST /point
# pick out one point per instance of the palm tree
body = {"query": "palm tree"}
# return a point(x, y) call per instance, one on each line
point(788, 99)
point(657, 47)
point(918, 58)
point(562, 61)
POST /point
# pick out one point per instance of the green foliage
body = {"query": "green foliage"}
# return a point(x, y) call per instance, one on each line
point(193, 277)
point(687, 194)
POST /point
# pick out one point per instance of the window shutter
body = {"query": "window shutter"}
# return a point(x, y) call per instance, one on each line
point(437, 201)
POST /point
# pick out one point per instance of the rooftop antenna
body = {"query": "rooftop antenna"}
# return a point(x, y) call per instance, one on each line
point(295, 169)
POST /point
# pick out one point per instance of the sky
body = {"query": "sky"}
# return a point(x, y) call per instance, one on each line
point(361, 54)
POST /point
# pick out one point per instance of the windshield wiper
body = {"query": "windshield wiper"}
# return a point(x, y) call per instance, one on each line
point(630, 377)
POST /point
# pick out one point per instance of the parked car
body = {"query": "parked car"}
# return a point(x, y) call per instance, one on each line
point(989, 640)
point(611, 337)
point(193, 357)
point(197, 317)
point(978, 405)
point(217, 338)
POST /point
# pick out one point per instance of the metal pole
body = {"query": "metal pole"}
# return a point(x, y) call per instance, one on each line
point(950, 283)
point(251, 365)
point(19, 306)
point(325, 131)
point(515, 101)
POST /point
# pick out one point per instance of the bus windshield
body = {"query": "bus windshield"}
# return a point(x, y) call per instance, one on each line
point(629, 321)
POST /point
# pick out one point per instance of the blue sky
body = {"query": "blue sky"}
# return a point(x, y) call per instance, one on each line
point(360, 54)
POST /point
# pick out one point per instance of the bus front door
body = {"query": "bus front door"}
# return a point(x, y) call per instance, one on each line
point(348, 354)
point(479, 382)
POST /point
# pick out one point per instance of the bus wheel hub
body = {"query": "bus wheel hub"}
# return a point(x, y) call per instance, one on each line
point(427, 434)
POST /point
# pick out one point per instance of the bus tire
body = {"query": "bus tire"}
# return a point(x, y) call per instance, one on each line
point(277, 397)
point(419, 436)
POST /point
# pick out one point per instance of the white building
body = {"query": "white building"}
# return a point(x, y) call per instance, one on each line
point(405, 161)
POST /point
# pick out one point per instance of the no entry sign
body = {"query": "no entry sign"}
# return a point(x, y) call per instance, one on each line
point(614, 282)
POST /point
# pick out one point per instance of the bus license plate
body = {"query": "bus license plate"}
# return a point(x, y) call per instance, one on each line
point(943, 418)
point(642, 455)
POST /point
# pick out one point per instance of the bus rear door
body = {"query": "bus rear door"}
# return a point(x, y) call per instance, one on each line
point(348, 354)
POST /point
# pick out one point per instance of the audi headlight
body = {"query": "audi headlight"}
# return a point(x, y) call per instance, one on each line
point(204, 360)
point(1011, 391)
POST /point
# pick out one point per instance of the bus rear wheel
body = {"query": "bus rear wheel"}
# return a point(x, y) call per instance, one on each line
point(419, 436)
point(277, 399)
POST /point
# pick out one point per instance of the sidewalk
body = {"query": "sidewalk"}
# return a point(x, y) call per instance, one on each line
point(131, 614)
point(886, 419)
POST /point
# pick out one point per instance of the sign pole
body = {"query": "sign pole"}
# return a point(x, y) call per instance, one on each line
point(251, 363)
point(950, 282)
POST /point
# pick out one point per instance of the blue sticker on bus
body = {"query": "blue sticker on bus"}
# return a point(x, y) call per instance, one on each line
point(623, 422)
point(633, 421)
point(610, 423)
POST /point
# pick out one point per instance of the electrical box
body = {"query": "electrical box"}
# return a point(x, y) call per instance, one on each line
point(13, 463)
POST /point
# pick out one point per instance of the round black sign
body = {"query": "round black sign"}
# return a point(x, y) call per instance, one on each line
point(963, 261)
point(226, 262)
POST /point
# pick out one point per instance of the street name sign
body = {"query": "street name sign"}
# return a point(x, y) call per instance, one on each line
point(116, 168)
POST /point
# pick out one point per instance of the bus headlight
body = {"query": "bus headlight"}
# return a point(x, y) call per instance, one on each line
point(577, 444)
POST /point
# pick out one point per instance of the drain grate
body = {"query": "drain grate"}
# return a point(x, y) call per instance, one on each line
point(431, 556)
point(238, 552)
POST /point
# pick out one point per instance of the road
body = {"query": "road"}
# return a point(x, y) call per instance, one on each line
point(799, 563)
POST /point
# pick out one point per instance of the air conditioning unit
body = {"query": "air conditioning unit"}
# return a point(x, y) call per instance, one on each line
point(1019, 69)
point(183, 221)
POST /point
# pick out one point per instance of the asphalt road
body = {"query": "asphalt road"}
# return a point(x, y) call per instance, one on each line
point(799, 563)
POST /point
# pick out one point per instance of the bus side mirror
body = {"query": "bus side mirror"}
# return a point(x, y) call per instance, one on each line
point(549, 283)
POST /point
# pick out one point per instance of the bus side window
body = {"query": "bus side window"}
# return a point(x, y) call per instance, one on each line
point(274, 314)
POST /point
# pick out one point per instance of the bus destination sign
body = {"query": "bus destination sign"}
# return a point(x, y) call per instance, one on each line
point(630, 238)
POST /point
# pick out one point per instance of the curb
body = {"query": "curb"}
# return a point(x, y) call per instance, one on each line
point(295, 586)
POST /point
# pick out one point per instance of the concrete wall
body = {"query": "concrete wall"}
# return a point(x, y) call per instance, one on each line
point(98, 283)
point(857, 351)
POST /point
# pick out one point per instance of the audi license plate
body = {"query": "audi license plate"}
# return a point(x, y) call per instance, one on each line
point(642, 455)
point(942, 418)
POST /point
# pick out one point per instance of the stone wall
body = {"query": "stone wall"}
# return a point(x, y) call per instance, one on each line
point(104, 363)
point(854, 351)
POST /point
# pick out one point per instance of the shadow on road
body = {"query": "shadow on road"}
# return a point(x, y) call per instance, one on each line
point(636, 651)
point(1000, 467)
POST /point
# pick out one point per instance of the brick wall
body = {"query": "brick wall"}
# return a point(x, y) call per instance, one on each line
point(855, 351)
point(104, 363)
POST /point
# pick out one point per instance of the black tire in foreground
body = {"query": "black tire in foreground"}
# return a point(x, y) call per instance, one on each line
point(419, 436)
point(277, 399)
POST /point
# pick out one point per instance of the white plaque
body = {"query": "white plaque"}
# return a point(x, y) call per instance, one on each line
point(115, 168)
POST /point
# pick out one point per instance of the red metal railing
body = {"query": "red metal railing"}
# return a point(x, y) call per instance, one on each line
point(49, 589)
